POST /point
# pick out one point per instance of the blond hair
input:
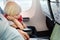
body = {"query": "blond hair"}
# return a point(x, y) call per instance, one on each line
point(12, 8)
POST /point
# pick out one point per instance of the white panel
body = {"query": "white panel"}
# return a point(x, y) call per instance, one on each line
point(25, 4)
point(45, 9)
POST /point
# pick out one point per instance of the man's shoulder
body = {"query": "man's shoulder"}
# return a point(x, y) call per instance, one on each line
point(3, 24)
point(2, 18)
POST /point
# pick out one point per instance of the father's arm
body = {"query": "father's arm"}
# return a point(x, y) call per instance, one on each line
point(7, 32)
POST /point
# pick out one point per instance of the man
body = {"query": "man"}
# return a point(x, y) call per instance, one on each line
point(7, 32)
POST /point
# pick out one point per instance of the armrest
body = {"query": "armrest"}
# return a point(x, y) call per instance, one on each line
point(28, 30)
point(26, 19)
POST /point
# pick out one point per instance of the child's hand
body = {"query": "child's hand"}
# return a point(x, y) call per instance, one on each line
point(24, 25)
point(10, 18)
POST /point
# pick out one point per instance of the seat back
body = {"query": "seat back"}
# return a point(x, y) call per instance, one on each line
point(50, 25)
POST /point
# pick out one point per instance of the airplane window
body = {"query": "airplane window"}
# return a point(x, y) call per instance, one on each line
point(45, 8)
point(25, 4)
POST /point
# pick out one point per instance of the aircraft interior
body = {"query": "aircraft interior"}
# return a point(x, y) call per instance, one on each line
point(41, 18)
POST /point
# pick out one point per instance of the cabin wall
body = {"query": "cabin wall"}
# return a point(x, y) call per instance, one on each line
point(36, 16)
